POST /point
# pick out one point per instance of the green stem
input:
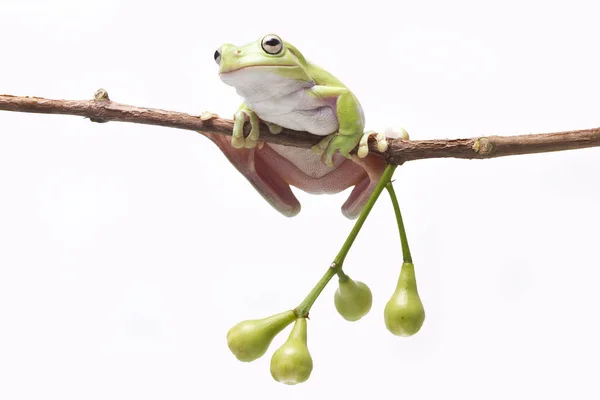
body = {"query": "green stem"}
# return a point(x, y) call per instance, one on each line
point(304, 307)
point(403, 239)
point(385, 178)
point(341, 275)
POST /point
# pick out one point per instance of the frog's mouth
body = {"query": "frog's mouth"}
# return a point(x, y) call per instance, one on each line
point(236, 69)
point(251, 75)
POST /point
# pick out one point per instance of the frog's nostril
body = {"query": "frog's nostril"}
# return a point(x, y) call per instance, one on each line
point(238, 52)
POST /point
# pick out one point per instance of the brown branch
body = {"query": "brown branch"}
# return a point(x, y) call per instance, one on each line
point(102, 109)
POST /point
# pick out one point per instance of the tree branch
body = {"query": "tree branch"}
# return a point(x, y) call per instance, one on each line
point(102, 109)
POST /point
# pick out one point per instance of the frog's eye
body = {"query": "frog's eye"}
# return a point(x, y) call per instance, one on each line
point(272, 44)
point(217, 56)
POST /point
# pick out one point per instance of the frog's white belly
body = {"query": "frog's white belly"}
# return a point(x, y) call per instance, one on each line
point(298, 110)
point(320, 121)
point(284, 101)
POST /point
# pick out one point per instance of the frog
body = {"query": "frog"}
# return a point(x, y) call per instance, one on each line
point(281, 88)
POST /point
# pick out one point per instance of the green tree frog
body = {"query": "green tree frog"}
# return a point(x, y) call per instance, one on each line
point(281, 88)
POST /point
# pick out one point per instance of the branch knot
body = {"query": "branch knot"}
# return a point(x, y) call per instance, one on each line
point(483, 146)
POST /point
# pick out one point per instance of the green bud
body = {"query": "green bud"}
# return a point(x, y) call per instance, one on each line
point(250, 339)
point(404, 313)
point(292, 363)
point(353, 299)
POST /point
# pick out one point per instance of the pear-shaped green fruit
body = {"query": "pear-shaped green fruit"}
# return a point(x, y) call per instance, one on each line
point(353, 299)
point(404, 313)
point(292, 362)
point(250, 339)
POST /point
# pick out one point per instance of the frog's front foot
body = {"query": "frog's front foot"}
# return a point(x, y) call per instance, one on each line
point(334, 142)
point(238, 140)
point(381, 138)
point(363, 145)
point(251, 141)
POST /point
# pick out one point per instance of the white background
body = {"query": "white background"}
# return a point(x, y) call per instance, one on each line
point(128, 251)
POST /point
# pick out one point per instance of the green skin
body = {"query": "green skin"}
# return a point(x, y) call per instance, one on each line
point(291, 64)
point(250, 339)
point(292, 363)
point(352, 299)
point(404, 313)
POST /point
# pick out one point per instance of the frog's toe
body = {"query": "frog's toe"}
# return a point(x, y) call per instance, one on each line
point(397, 133)
point(328, 158)
point(274, 128)
point(404, 134)
point(252, 140)
point(237, 137)
point(320, 147)
point(345, 151)
point(316, 149)
point(328, 150)
point(237, 142)
point(363, 144)
point(382, 143)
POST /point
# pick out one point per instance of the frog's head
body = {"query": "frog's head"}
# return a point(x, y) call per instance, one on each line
point(269, 54)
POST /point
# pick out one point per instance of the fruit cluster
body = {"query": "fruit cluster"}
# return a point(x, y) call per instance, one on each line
point(292, 363)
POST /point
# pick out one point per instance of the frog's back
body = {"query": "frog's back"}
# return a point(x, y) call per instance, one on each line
point(320, 76)
point(323, 77)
